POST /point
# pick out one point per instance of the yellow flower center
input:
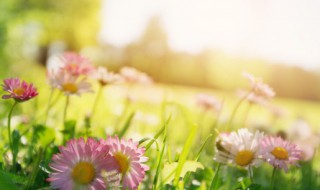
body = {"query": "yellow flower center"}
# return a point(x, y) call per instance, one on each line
point(122, 161)
point(19, 91)
point(73, 65)
point(280, 153)
point(70, 87)
point(244, 157)
point(83, 173)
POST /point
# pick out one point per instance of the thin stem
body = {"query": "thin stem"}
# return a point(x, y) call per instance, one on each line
point(273, 178)
point(65, 110)
point(245, 118)
point(236, 109)
point(9, 133)
point(214, 179)
point(96, 100)
point(48, 107)
point(251, 174)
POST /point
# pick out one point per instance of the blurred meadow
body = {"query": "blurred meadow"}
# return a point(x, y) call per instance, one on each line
point(187, 48)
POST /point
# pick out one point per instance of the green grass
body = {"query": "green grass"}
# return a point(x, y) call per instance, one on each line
point(144, 117)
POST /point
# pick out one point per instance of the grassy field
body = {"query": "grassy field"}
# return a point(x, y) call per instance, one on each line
point(186, 133)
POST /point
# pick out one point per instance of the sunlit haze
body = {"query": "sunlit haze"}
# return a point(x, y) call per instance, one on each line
point(282, 31)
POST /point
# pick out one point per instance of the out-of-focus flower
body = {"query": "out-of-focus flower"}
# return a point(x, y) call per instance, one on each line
point(104, 77)
point(279, 153)
point(76, 64)
point(240, 148)
point(72, 63)
point(132, 75)
point(130, 160)
point(18, 90)
point(259, 88)
point(277, 111)
point(252, 98)
point(208, 102)
point(301, 134)
point(69, 84)
point(79, 165)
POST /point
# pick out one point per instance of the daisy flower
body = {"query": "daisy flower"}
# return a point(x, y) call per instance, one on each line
point(132, 75)
point(259, 88)
point(75, 64)
point(104, 77)
point(130, 161)
point(240, 148)
point(279, 153)
point(79, 165)
point(18, 90)
point(69, 84)
point(208, 102)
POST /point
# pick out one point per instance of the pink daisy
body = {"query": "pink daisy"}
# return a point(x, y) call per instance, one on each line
point(259, 88)
point(80, 165)
point(279, 152)
point(130, 160)
point(76, 64)
point(18, 90)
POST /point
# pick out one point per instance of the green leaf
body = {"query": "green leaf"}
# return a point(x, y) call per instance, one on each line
point(245, 182)
point(126, 125)
point(254, 187)
point(169, 170)
point(69, 130)
point(6, 182)
point(160, 157)
point(156, 136)
point(184, 154)
point(15, 144)
point(215, 180)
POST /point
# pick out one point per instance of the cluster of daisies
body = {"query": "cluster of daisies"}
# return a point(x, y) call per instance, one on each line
point(70, 72)
point(98, 165)
point(246, 149)
point(102, 164)
point(85, 164)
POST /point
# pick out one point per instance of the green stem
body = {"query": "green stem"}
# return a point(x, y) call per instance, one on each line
point(96, 101)
point(245, 118)
point(65, 110)
point(236, 109)
point(214, 179)
point(273, 178)
point(48, 107)
point(251, 174)
point(9, 133)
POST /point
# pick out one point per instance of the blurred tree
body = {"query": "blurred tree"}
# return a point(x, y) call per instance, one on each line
point(151, 52)
point(29, 27)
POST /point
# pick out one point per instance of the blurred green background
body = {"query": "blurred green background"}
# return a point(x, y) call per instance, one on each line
point(33, 30)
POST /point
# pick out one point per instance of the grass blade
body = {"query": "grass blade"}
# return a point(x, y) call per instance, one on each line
point(126, 125)
point(184, 154)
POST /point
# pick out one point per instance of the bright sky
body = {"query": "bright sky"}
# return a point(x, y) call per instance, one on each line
point(277, 30)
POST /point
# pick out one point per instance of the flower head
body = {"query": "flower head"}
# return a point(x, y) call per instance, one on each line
point(104, 77)
point(69, 84)
point(79, 165)
point(240, 148)
point(279, 152)
point(132, 75)
point(18, 90)
point(75, 64)
point(208, 102)
point(259, 88)
point(129, 159)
